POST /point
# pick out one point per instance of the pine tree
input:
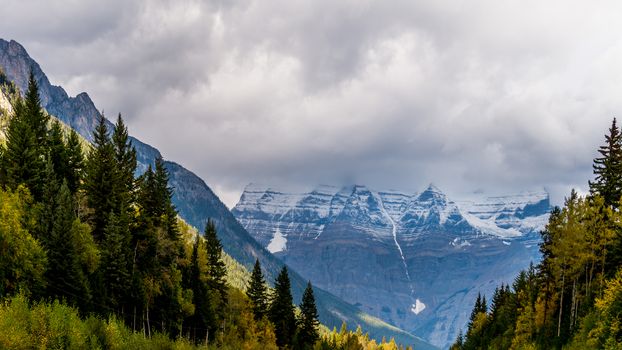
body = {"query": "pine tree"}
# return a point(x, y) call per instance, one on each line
point(23, 157)
point(115, 275)
point(608, 168)
point(308, 323)
point(256, 292)
point(47, 208)
point(75, 162)
point(100, 180)
point(216, 269)
point(459, 344)
point(165, 194)
point(202, 322)
point(57, 150)
point(37, 120)
point(281, 312)
point(36, 117)
point(477, 308)
point(125, 156)
point(65, 276)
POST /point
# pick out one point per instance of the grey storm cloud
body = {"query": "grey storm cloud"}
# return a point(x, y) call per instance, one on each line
point(491, 95)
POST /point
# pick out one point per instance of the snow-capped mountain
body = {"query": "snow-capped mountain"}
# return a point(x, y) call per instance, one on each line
point(415, 260)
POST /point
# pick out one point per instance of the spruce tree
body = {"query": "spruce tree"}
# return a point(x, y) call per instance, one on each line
point(216, 269)
point(57, 151)
point(65, 277)
point(23, 158)
point(256, 292)
point(203, 319)
point(36, 117)
point(459, 344)
point(281, 312)
point(114, 273)
point(308, 323)
point(47, 207)
point(37, 120)
point(125, 156)
point(75, 162)
point(608, 168)
point(164, 193)
point(477, 308)
point(100, 180)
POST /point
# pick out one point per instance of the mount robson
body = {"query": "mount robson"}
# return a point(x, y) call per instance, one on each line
point(415, 260)
point(195, 203)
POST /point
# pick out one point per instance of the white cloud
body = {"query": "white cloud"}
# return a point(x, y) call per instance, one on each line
point(469, 95)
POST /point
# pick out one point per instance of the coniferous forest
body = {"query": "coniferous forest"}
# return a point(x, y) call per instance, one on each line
point(572, 299)
point(92, 256)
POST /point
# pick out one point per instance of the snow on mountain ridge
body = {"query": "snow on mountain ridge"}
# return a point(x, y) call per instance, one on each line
point(506, 216)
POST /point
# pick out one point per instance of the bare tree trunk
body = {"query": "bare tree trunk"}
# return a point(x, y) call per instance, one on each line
point(148, 324)
point(573, 309)
point(144, 328)
point(561, 307)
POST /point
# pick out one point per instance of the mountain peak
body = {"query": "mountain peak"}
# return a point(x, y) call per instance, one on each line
point(16, 48)
point(432, 193)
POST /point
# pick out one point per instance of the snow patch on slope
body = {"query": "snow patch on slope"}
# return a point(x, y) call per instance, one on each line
point(417, 307)
point(278, 243)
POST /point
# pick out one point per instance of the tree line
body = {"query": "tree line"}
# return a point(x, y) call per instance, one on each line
point(573, 298)
point(77, 226)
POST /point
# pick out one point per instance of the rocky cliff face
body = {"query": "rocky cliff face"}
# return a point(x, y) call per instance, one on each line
point(414, 260)
point(77, 112)
point(194, 200)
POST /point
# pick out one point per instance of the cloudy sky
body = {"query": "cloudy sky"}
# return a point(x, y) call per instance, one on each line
point(471, 95)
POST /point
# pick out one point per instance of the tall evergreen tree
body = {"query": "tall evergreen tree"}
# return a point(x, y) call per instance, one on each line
point(281, 312)
point(165, 194)
point(24, 157)
point(308, 323)
point(203, 320)
point(114, 273)
point(125, 156)
point(57, 150)
point(65, 276)
point(608, 168)
point(100, 180)
point(47, 209)
point(36, 117)
point(75, 162)
point(257, 292)
point(216, 269)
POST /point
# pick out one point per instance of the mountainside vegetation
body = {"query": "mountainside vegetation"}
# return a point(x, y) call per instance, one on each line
point(573, 298)
point(93, 257)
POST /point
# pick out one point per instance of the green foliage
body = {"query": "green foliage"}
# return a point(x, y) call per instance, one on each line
point(608, 168)
point(57, 326)
point(23, 159)
point(65, 274)
point(308, 322)
point(257, 292)
point(348, 340)
point(99, 181)
point(281, 312)
point(216, 270)
point(22, 259)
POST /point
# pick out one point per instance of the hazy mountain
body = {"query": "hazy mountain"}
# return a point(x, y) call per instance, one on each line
point(414, 260)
